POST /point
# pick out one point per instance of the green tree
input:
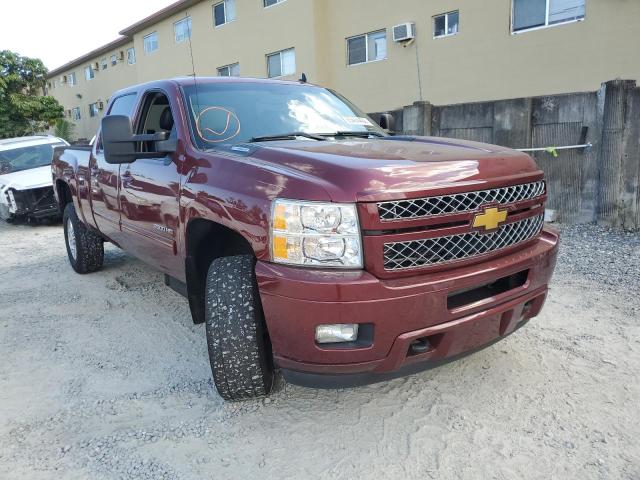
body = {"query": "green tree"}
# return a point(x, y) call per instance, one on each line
point(23, 110)
point(64, 129)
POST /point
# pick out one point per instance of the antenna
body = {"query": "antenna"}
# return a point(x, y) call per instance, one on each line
point(193, 65)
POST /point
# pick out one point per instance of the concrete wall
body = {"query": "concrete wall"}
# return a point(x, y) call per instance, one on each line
point(484, 61)
point(601, 183)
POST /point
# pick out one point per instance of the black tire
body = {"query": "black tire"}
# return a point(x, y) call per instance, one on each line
point(89, 246)
point(239, 347)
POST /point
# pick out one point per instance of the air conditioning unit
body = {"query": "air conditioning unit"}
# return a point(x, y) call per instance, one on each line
point(404, 32)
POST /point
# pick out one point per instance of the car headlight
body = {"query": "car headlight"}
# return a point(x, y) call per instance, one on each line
point(13, 206)
point(316, 234)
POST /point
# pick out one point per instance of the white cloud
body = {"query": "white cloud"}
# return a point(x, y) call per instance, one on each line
point(60, 31)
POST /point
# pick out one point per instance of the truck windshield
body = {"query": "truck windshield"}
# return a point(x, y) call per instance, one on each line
point(230, 113)
point(25, 158)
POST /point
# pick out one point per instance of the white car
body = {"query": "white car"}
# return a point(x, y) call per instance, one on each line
point(26, 189)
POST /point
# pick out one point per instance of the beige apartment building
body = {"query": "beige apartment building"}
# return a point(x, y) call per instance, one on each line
point(380, 54)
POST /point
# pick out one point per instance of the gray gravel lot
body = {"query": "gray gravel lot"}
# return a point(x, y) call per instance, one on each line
point(105, 376)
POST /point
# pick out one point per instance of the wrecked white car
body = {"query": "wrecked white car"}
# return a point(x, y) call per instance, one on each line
point(26, 189)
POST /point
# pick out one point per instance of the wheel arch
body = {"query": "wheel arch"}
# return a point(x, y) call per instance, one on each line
point(207, 240)
point(63, 194)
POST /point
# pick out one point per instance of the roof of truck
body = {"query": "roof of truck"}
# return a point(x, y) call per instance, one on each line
point(17, 142)
point(189, 81)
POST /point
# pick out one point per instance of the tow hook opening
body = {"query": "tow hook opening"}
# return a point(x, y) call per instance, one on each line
point(424, 345)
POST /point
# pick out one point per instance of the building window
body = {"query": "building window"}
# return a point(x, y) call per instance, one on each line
point(529, 14)
point(446, 24)
point(131, 56)
point(75, 113)
point(93, 110)
point(270, 3)
point(224, 12)
point(114, 60)
point(104, 63)
point(229, 70)
point(281, 63)
point(151, 42)
point(182, 30)
point(370, 47)
point(89, 73)
point(71, 79)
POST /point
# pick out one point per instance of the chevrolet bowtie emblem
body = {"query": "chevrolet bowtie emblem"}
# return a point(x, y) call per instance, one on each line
point(490, 219)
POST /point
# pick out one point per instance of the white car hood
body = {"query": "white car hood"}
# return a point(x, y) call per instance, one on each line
point(27, 179)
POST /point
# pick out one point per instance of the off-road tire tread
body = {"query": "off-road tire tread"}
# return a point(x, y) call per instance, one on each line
point(238, 350)
point(90, 246)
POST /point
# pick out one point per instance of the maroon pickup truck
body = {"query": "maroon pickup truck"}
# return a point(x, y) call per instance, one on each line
point(304, 236)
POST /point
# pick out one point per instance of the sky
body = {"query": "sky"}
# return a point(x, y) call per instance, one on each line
point(59, 31)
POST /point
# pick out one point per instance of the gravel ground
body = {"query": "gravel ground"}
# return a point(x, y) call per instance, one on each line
point(105, 376)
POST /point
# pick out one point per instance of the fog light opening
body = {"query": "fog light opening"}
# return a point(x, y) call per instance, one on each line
point(337, 333)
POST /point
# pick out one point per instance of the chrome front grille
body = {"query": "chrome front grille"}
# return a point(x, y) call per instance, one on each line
point(457, 203)
point(452, 248)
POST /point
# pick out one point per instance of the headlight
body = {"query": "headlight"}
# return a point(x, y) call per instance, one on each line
point(316, 234)
point(13, 206)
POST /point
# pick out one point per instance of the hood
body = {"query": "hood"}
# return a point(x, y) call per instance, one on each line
point(27, 179)
point(399, 167)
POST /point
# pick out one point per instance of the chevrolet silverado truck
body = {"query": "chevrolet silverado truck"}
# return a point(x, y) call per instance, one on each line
point(305, 237)
point(25, 178)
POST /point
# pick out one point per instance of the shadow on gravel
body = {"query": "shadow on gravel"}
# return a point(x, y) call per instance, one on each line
point(33, 222)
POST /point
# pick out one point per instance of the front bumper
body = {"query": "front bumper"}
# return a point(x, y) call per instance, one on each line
point(32, 203)
point(400, 311)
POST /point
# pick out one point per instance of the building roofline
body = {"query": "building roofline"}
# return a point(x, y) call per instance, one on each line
point(89, 56)
point(158, 16)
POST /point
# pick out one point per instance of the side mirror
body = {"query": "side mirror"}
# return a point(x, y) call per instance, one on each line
point(387, 121)
point(117, 139)
point(122, 146)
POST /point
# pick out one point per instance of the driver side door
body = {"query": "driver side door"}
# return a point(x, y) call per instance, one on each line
point(150, 191)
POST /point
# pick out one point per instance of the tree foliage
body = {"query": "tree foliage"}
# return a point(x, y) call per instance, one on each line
point(23, 110)
point(64, 129)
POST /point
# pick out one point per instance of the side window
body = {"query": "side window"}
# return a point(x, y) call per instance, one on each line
point(123, 105)
point(156, 117)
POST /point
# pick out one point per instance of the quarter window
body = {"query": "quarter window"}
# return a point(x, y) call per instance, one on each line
point(224, 12)
point(131, 56)
point(151, 42)
point(269, 3)
point(446, 24)
point(282, 63)
point(88, 72)
point(182, 30)
point(528, 14)
point(229, 70)
point(370, 47)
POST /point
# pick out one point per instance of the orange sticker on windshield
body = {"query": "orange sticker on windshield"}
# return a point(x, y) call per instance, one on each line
point(217, 124)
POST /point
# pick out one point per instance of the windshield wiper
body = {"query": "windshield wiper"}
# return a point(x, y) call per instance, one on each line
point(353, 134)
point(287, 136)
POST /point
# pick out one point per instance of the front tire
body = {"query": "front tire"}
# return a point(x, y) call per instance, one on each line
point(84, 247)
point(239, 348)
